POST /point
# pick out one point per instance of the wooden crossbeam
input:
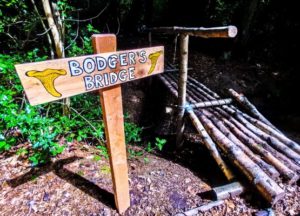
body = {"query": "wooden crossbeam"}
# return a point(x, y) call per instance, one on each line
point(213, 32)
point(206, 104)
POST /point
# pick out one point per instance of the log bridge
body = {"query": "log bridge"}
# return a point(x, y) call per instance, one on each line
point(246, 138)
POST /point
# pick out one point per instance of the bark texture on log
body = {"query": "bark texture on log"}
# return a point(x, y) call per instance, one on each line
point(265, 185)
point(269, 169)
point(183, 70)
point(213, 32)
point(272, 132)
point(211, 146)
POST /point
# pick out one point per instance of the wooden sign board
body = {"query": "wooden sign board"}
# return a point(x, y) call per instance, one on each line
point(56, 79)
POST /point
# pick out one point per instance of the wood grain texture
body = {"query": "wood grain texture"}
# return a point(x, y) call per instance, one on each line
point(56, 79)
point(111, 102)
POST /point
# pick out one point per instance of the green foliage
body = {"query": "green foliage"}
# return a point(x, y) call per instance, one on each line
point(134, 154)
point(105, 169)
point(43, 126)
point(65, 8)
point(146, 160)
point(158, 144)
point(22, 152)
point(103, 151)
point(4, 146)
point(15, 18)
point(96, 158)
point(132, 132)
point(223, 11)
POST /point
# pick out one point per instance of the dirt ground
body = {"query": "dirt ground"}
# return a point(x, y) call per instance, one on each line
point(76, 183)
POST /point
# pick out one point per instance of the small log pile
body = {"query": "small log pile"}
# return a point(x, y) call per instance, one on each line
point(258, 149)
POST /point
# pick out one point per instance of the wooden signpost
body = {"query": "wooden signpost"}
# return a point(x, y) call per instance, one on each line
point(104, 71)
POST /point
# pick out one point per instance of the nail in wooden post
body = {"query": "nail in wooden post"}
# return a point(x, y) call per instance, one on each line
point(183, 72)
point(111, 102)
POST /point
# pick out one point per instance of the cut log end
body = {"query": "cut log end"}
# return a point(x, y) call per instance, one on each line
point(232, 31)
point(227, 191)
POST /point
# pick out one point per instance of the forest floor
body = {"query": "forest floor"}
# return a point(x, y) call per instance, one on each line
point(161, 183)
point(76, 183)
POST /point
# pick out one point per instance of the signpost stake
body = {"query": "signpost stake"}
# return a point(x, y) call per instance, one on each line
point(111, 102)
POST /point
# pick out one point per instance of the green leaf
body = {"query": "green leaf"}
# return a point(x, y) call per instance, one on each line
point(96, 158)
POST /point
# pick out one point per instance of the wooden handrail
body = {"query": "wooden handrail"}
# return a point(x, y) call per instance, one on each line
point(212, 32)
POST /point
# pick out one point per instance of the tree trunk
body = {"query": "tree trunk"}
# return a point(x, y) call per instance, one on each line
point(57, 36)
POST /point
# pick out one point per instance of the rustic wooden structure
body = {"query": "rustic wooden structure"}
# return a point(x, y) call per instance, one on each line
point(184, 33)
point(264, 155)
point(104, 71)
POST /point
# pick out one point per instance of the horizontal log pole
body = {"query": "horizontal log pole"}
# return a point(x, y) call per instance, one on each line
point(211, 103)
point(213, 32)
point(206, 104)
point(174, 69)
point(244, 102)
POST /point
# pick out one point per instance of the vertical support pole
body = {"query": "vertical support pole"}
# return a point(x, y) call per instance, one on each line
point(183, 72)
point(111, 102)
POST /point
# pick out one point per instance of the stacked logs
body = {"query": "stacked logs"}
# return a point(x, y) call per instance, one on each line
point(256, 147)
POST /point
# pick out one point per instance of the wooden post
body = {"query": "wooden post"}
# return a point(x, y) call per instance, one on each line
point(183, 72)
point(111, 102)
